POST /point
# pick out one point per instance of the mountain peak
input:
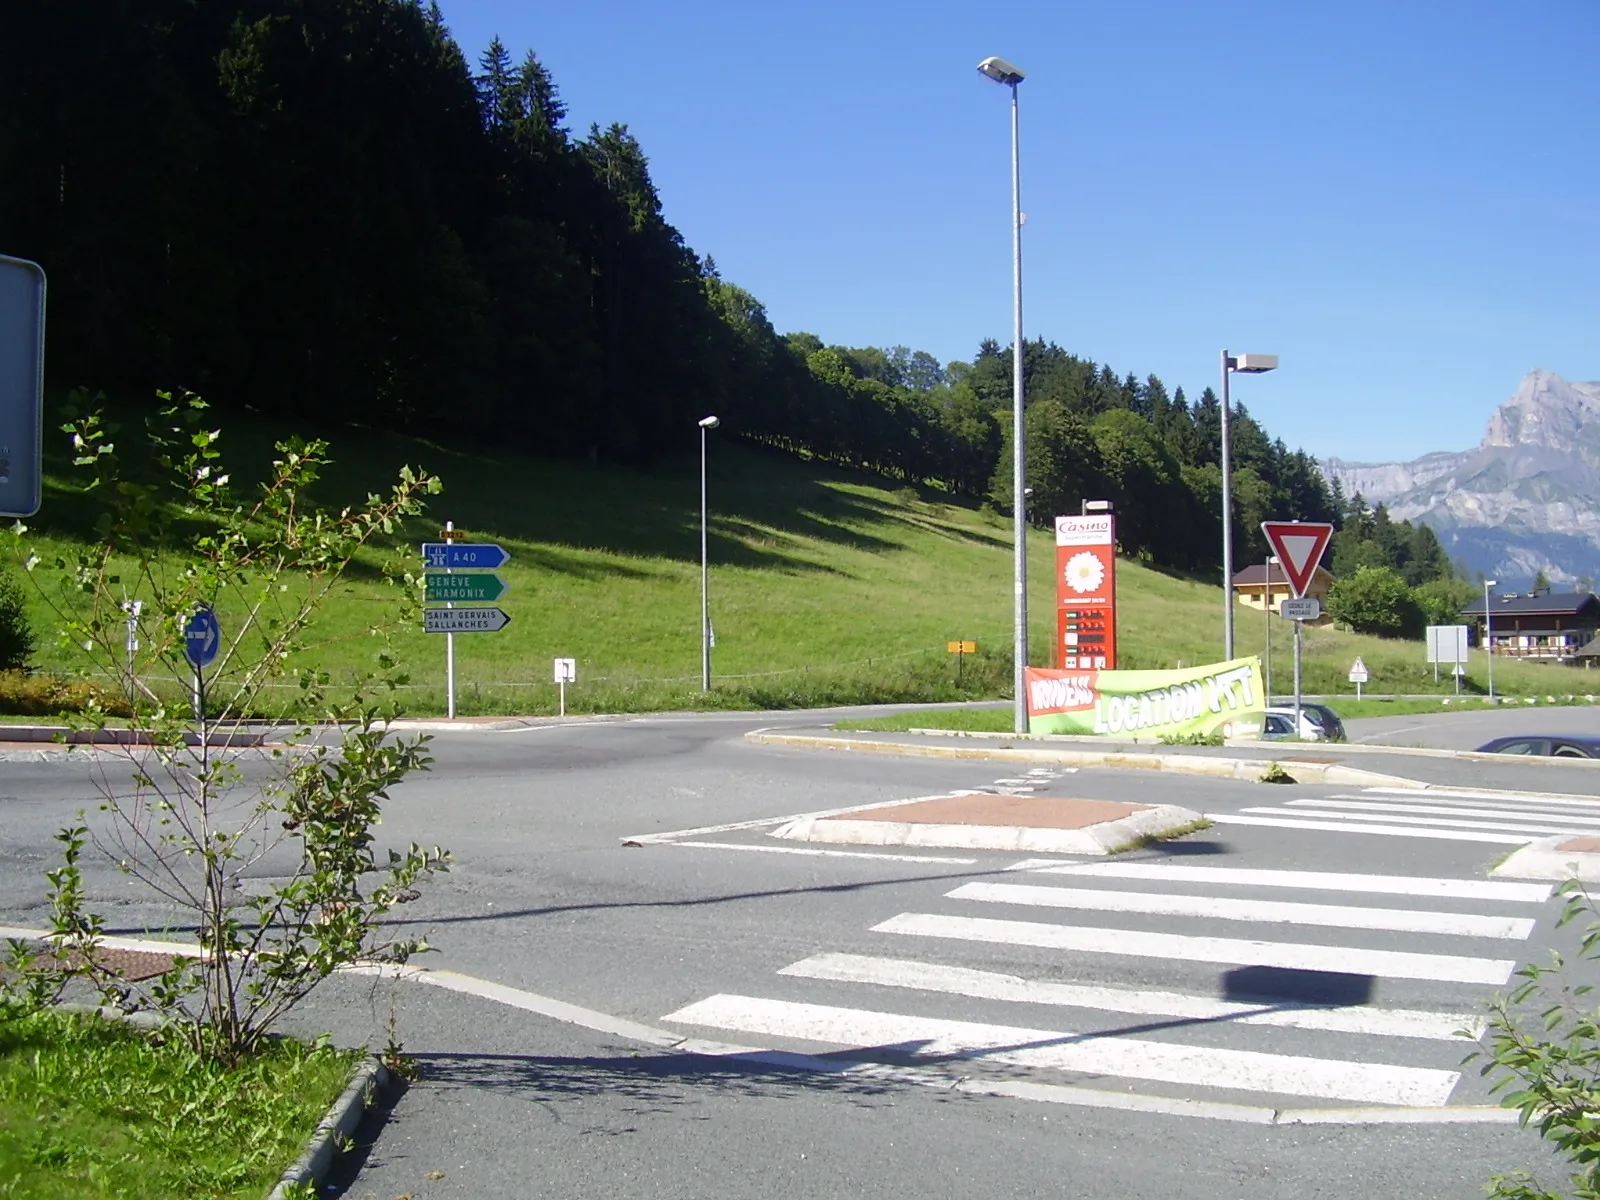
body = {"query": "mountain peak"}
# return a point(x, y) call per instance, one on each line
point(1545, 411)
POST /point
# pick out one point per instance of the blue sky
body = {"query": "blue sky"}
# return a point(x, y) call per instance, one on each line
point(1400, 198)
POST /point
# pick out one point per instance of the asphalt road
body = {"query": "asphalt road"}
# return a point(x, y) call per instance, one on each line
point(1193, 991)
point(1473, 727)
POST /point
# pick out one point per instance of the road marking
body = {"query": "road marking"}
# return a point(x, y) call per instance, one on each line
point(1449, 810)
point(992, 985)
point(910, 858)
point(1449, 835)
point(1129, 1058)
point(1481, 794)
point(763, 822)
point(1330, 881)
point(1338, 916)
point(1543, 800)
point(1462, 823)
point(1344, 960)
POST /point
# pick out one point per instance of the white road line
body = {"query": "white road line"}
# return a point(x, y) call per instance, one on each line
point(1163, 1062)
point(1448, 835)
point(1448, 810)
point(763, 822)
point(991, 985)
point(1171, 904)
point(1475, 799)
point(1485, 794)
point(1447, 822)
point(1330, 881)
point(1136, 943)
point(910, 858)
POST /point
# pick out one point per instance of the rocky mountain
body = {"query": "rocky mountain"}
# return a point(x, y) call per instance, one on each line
point(1525, 498)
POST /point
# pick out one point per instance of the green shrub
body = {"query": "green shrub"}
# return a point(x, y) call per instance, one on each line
point(17, 640)
point(25, 695)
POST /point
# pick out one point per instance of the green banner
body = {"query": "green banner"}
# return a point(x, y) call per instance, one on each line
point(1223, 698)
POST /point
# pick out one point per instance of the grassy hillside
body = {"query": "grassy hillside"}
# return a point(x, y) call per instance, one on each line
point(825, 587)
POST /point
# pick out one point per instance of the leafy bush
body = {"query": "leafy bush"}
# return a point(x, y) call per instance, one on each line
point(25, 695)
point(1544, 1052)
point(1375, 600)
point(17, 641)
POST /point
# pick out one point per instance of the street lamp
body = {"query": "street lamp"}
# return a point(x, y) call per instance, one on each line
point(1488, 640)
point(705, 600)
point(999, 70)
point(1271, 559)
point(1246, 364)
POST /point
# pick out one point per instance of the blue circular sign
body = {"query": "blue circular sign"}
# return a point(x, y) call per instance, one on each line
point(202, 637)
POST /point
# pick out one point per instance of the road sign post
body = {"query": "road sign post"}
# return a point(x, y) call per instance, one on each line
point(22, 305)
point(566, 672)
point(1299, 546)
point(1358, 674)
point(442, 585)
point(961, 650)
point(202, 638)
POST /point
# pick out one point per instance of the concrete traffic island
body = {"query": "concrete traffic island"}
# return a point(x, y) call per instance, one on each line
point(986, 821)
point(1558, 858)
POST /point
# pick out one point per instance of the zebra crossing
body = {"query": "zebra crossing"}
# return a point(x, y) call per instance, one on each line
point(1169, 982)
point(1464, 816)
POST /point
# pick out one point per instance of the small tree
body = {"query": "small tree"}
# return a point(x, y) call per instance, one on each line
point(1375, 600)
point(17, 640)
point(194, 821)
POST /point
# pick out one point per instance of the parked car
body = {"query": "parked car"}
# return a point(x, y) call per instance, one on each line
point(1279, 723)
point(1332, 726)
point(1566, 745)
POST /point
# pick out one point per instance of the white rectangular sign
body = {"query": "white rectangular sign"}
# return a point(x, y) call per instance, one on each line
point(566, 670)
point(1447, 644)
point(464, 620)
point(1307, 609)
point(1092, 530)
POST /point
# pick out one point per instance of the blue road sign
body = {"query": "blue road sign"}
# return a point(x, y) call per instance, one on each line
point(21, 385)
point(202, 637)
point(464, 556)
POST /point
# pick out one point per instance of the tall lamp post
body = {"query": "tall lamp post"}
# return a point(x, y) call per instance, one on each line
point(1488, 640)
point(1246, 364)
point(999, 70)
point(705, 597)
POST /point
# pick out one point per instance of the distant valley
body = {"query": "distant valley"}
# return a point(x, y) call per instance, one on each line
point(1525, 498)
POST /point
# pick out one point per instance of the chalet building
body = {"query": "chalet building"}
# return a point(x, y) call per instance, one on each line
point(1541, 625)
point(1254, 588)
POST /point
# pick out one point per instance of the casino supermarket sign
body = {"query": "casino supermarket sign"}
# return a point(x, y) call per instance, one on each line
point(1086, 592)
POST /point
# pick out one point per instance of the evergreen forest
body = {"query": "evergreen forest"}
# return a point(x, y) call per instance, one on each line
point(328, 210)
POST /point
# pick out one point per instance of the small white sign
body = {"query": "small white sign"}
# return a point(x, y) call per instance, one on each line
point(1308, 608)
point(1358, 672)
point(566, 670)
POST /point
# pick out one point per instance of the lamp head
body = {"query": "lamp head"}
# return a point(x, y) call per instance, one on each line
point(1489, 583)
point(999, 70)
point(709, 422)
point(1253, 364)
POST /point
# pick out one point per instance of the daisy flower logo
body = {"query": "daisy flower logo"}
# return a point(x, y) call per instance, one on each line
point(1084, 573)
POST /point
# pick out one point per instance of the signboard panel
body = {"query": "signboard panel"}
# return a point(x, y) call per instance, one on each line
point(464, 589)
point(961, 647)
point(464, 556)
point(1086, 592)
point(1224, 698)
point(1447, 644)
point(566, 670)
point(202, 637)
point(1358, 671)
point(1303, 608)
point(1299, 546)
point(464, 620)
point(21, 386)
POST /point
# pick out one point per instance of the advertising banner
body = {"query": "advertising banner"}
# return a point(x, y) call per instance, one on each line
point(1224, 698)
point(1086, 592)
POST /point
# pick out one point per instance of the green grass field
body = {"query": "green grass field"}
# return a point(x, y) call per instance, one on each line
point(826, 587)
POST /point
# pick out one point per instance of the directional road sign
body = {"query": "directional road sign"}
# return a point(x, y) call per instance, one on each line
point(202, 638)
point(464, 620)
point(464, 556)
point(1299, 546)
point(566, 670)
point(1307, 608)
point(465, 589)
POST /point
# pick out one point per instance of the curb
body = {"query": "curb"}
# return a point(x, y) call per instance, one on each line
point(1106, 837)
point(1544, 859)
point(371, 1080)
point(62, 735)
point(1216, 768)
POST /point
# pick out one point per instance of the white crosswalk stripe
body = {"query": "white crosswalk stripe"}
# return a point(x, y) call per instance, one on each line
point(1435, 938)
point(1438, 814)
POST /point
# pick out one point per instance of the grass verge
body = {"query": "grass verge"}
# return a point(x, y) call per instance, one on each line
point(93, 1108)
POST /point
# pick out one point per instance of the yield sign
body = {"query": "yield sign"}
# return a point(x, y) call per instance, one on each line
point(1299, 546)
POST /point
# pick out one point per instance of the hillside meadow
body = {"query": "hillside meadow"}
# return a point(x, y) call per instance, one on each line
point(826, 586)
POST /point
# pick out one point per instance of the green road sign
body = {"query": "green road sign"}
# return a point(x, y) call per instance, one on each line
point(464, 589)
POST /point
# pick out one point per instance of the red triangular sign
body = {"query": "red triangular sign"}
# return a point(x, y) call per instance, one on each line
point(1299, 546)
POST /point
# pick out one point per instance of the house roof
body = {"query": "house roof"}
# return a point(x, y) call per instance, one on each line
point(1592, 650)
point(1541, 604)
point(1255, 575)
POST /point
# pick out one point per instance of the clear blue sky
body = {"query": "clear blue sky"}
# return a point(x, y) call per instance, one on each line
point(1400, 198)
